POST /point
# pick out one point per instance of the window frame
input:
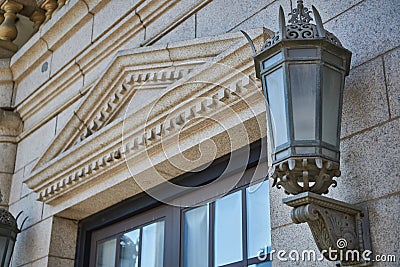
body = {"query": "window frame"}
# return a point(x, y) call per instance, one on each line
point(142, 203)
point(116, 230)
point(242, 186)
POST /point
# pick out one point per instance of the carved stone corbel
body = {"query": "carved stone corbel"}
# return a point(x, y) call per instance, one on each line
point(340, 230)
point(10, 126)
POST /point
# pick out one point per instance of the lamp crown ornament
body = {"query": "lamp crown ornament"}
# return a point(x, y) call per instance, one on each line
point(300, 15)
point(300, 27)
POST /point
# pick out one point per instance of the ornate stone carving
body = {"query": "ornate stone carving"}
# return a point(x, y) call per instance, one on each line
point(300, 14)
point(61, 3)
point(150, 136)
point(305, 174)
point(8, 30)
point(37, 18)
point(340, 230)
point(50, 6)
point(10, 124)
point(114, 103)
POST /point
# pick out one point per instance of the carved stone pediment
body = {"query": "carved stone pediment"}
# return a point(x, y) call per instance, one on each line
point(200, 81)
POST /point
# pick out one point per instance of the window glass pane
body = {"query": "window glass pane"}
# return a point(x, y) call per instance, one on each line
point(303, 85)
point(129, 244)
point(196, 233)
point(153, 245)
point(276, 101)
point(106, 253)
point(258, 220)
point(228, 229)
point(330, 105)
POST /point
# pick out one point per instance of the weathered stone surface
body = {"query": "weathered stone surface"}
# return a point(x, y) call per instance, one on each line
point(60, 262)
point(66, 115)
point(293, 239)
point(392, 60)
point(109, 12)
point(6, 91)
point(94, 72)
point(33, 243)
point(67, 92)
point(63, 238)
point(65, 22)
point(72, 44)
point(16, 186)
point(5, 186)
point(384, 227)
point(330, 9)
point(6, 83)
point(267, 17)
point(280, 213)
point(365, 102)
point(7, 153)
point(33, 145)
point(32, 51)
point(186, 30)
point(53, 262)
point(158, 19)
point(368, 29)
point(369, 165)
point(221, 16)
point(39, 73)
point(30, 207)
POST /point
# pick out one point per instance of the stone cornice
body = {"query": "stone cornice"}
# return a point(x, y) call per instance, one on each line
point(82, 163)
point(134, 62)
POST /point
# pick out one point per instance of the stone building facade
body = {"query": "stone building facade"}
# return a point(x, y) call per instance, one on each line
point(104, 99)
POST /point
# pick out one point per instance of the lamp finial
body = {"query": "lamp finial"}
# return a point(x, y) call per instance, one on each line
point(300, 14)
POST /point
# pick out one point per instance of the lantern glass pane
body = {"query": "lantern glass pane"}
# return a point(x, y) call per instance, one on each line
point(9, 252)
point(303, 85)
point(277, 106)
point(3, 246)
point(272, 60)
point(330, 105)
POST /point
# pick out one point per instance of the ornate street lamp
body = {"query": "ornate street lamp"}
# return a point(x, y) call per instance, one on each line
point(303, 68)
point(8, 235)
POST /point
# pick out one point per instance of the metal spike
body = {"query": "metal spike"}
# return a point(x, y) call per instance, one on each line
point(251, 43)
point(282, 23)
point(318, 21)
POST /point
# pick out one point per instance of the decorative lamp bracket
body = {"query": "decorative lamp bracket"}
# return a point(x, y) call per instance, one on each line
point(340, 230)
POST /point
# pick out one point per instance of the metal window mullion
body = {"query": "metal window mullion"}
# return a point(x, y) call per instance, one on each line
point(140, 247)
point(118, 250)
point(244, 225)
point(211, 235)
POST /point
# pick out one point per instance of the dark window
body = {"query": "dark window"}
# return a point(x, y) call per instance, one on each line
point(231, 230)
